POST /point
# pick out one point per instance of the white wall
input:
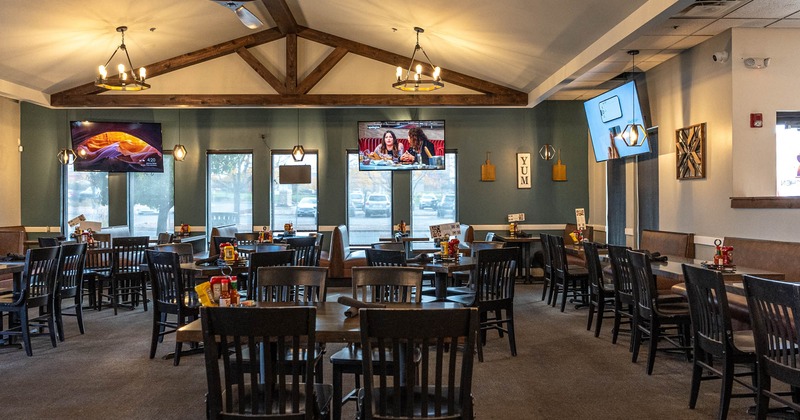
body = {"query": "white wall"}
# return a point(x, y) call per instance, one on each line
point(691, 89)
point(9, 163)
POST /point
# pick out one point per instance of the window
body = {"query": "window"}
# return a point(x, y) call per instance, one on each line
point(433, 197)
point(787, 152)
point(87, 194)
point(294, 203)
point(230, 190)
point(369, 204)
point(151, 203)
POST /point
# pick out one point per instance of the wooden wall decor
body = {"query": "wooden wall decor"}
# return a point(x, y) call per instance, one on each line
point(690, 143)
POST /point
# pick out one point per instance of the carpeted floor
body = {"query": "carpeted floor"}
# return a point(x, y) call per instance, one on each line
point(561, 372)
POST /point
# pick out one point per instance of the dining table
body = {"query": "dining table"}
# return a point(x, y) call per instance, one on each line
point(444, 269)
point(524, 244)
point(673, 269)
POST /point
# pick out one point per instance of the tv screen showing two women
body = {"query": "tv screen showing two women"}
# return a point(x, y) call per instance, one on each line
point(400, 145)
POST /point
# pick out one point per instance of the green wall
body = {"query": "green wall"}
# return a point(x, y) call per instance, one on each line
point(470, 131)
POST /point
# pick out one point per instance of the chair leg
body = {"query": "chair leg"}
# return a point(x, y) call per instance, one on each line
point(617, 322)
point(697, 374)
point(636, 342)
point(57, 308)
point(655, 332)
point(79, 311)
point(762, 405)
point(591, 314)
point(511, 337)
point(51, 327)
point(564, 294)
point(26, 333)
point(178, 348)
point(601, 309)
point(545, 285)
point(155, 333)
point(727, 387)
point(479, 344)
point(497, 315)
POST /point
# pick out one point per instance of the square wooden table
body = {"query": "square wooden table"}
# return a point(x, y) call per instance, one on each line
point(524, 245)
point(445, 269)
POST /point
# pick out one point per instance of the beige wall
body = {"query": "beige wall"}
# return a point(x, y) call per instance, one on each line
point(9, 162)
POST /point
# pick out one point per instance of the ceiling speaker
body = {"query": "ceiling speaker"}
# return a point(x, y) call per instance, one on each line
point(294, 174)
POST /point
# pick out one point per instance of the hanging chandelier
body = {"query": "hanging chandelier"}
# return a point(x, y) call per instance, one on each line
point(126, 79)
point(416, 82)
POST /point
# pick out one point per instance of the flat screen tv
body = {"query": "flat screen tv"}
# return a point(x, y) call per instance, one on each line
point(400, 145)
point(607, 115)
point(117, 146)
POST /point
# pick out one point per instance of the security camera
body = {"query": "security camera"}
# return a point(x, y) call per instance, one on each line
point(756, 63)
point(720, 57)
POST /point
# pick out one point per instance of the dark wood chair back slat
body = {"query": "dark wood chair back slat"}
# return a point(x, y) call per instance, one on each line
point(291, 284)
point(265, 259)
point(387, 284)
point(385, 258)
point(305, 250)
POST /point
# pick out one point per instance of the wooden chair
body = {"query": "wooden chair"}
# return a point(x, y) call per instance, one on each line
point(775, 314)
point(623, 291)
point(246, 238)
point(185, 251)
point(71, 263)
point(601, 294)
point(216, 241)
point(372, 284)
point(715, 339)
point(389, 246)
point(97, 266)
point(547, 267)
point(284, 389)
point(654, 317)
point(385, 258)
point(164, 238)
point(443, 387)
point(127, 281)
point(494, 294)
point(50, 241)
point(459, 276)
point(291, 284)
point(173, 294)
point(263, 259)
point(570, 280)
point(305, 250)
point(36, 289)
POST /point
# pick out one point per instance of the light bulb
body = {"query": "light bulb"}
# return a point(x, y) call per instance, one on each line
point(419, 69)
point(102, 71)
point(416, 77)
point(437, 72)
point(142, 73)
point(634, 136)
point(399, 73)
point(121, 68)
point(124, 76)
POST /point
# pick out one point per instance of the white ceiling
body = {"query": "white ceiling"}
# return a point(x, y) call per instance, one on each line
point(551, 49)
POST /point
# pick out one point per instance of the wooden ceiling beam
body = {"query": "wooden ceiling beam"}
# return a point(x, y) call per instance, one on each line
point(262, 70)
point(155, 101)
point(282, 16)
point(321, 70)
point(395, 60)
point(291, 63)
point(185, 60)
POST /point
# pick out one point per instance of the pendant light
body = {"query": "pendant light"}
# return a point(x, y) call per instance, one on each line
point(179, 151)
point(634, 135)
point(297, 151)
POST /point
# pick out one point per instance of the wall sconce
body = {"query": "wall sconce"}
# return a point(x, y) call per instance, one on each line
point(547, 152)
point(66, 157)
point(559, 169)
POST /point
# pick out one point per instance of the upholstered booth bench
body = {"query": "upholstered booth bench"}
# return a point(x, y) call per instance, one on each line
point(12, 240)
point(667, 243)
point(226, 231)
point(340, 259)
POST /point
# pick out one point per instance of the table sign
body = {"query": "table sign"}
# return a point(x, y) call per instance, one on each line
point(76, 220)
point(580, 219)
point(444, 230)
point(516, 217)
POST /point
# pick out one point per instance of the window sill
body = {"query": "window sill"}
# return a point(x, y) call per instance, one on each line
point(765, 202)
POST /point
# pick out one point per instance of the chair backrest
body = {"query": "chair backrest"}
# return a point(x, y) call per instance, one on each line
point(644, 283)
point(216, 241)
point(389, 246)
point(266, 259)
point(291, 284)
point(558, 255)
point(39, 276)
point(185, 251)
point(102, 240)
point(45, 241)
point(775, 313)
point(320, 240)
point(129, 253)
point(170, 284)
point(164, 238)
point(445, 374)
point(620, 270)
point(287, 386)
point(267, 247)
point(494, 274)
point(387, 284)
point(544, 238)
point(305, 250)
point(476, 246)
point(708, 305)
point(246, 238)
point(71, 262)
point(385, 258)
point(593, 266)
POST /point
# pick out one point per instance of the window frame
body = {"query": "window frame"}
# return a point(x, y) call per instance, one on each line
point(131, 205)
point(390, 194)
point(273, 175)
point(211, 152)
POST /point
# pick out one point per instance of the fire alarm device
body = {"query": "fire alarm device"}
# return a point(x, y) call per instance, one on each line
point(756, 121)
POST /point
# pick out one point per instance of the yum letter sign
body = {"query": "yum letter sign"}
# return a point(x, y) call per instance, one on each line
point(523, 170)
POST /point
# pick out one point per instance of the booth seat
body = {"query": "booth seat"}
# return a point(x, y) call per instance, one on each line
point(12, 240)
point(227, 231)
point(667, 243)
point(466, 238)
point(340, 259)
point(568, 229)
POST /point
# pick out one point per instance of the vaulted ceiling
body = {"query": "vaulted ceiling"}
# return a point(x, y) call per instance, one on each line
point(344, 52)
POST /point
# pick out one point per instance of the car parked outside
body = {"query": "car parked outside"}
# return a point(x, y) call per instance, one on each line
point(356, 201)
point(447, 206)
point(377, 204)
point(428, 201)
point(307, 207)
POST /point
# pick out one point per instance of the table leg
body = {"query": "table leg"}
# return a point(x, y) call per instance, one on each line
point(441, 286)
